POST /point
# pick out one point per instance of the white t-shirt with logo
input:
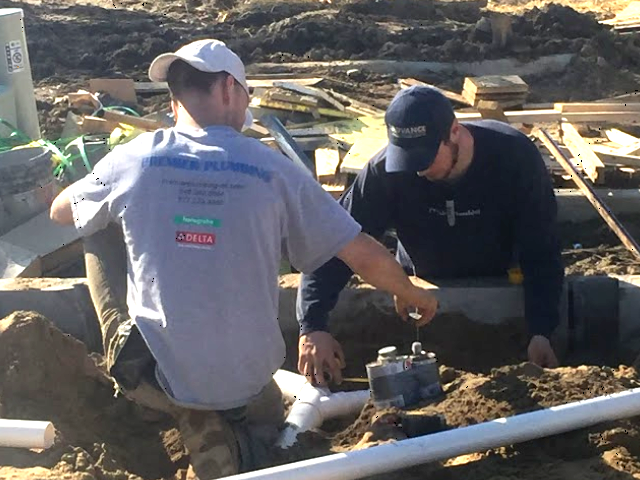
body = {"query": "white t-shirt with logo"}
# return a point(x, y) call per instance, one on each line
point(207, 215)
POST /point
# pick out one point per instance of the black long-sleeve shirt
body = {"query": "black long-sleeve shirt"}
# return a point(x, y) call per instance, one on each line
point(500, 214)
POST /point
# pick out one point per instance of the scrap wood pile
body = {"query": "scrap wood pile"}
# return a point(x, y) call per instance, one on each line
point(339, 134)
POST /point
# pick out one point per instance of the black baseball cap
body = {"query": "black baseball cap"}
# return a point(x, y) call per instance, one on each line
point(418, 120)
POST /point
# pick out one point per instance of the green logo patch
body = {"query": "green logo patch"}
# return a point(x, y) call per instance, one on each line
point(200, 221)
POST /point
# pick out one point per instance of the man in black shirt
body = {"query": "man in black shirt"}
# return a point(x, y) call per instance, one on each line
point(470, 199)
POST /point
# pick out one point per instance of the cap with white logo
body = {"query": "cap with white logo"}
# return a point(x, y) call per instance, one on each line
point(211, 56)
point(418, 120)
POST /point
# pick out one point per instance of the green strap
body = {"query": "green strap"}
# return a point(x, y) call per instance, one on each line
point(79, 143)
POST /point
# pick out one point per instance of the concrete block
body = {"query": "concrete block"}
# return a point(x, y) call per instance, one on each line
point(65, 302)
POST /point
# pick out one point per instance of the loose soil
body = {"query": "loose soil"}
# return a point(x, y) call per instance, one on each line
point(48, 375)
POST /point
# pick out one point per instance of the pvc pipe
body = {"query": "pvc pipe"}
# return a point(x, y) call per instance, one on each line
point(461, 441)
point(313, 405)
point(290, 383)
point(26, 434)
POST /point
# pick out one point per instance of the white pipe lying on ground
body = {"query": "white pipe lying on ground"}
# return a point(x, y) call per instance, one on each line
point(313, 405)
point(26, 434)
point(452, 443)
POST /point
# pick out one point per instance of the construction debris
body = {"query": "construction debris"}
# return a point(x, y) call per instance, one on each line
point(329, 134)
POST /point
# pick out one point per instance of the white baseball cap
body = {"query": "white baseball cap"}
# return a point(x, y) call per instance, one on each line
point(211, 56)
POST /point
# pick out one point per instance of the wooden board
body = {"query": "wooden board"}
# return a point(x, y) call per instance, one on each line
point(506, 101)
point(92, 125)
point(591, 164)
point(120, 88)
point(632, 149)
point(613, 157)
point(620, 137)
point(162, 87)
point(284, 96)
point(317, 112)
point(327, 163)
point(355, 106)
point(593, 107)
point(491, 111)
point(453, 96)
point(495, 84)
point(312, 92)
point(137, 122)
point(361, 152)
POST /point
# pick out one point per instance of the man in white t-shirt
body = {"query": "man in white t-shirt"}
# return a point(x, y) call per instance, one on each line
point(206, 214)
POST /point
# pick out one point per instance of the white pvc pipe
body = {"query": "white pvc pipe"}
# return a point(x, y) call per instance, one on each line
point(26, 434)
point(461, 441)
point(290, 383)
point(313, 405)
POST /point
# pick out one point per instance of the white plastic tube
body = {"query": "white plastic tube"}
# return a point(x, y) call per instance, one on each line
point(452, 443)
point(26, 434)
point(313, 405)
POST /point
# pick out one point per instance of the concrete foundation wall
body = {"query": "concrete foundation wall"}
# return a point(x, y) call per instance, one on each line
point(573, 206)
point(66, 302)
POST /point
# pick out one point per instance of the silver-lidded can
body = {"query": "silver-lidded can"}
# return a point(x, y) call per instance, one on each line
point(384, 378)
point(425, 368)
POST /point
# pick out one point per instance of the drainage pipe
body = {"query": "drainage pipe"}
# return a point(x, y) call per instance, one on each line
point(452, 443)
point(313, 405)
point(26, 434)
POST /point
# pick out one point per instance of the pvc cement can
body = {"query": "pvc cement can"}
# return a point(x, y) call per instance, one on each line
point(402, 381)
point(425, 369)
point(384, 379)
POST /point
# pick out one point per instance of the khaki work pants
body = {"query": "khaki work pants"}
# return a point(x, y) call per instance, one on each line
point(220, 443)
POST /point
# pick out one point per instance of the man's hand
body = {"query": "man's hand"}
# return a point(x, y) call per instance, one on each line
point(319, 352)
point(422, 300)
point(541, 353)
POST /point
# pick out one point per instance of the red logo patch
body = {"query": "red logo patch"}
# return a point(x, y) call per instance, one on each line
point(194, 238)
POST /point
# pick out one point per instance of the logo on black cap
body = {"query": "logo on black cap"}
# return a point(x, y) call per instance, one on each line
point(416, 131)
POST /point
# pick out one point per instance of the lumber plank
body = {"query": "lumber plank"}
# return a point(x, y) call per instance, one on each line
point(120, 88)
point(356, 106)
point(142, 123)
point(592, 107)
point(312, 92)
point(256, 81)
point(327, 112)
point(580, 149)
point(456, 97)
point(632, 149)
point(287, 96)
point(495, 84)
point(491, 110)
point(588, 191)
point(94, 125)
point(620, 137)
point(612, 156)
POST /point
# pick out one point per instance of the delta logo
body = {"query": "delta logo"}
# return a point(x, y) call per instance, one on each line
point(195, 238)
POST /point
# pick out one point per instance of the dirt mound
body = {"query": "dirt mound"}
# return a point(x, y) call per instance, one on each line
point(47, 375)
point(560, 21)
point(470, 399)
point(468, 11)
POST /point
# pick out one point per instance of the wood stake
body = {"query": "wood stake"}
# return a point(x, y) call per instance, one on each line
point(591, 164)
point(588, 191)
